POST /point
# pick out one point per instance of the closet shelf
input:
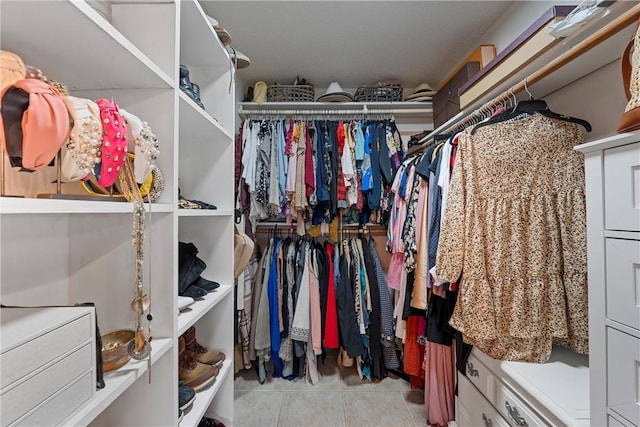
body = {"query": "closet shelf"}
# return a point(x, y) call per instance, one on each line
point(397, 109)
point(109, 59)
point(205, 212)
point(191, 315)
point(598, 56)
point(18, 205)
point(196, 34)
point(203, 398)
point(116, 383)
point(196, 123)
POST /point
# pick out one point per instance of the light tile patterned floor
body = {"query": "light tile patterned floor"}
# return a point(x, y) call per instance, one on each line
point(339, 399)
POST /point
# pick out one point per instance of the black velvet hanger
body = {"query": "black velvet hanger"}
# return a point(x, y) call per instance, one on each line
point(529, 107)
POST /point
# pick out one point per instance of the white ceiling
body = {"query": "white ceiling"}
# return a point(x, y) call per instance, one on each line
point(354, 42)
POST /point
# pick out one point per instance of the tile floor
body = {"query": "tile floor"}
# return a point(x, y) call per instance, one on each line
point(339, 399)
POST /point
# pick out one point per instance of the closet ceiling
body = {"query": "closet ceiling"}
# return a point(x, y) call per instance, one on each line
point(354, 42)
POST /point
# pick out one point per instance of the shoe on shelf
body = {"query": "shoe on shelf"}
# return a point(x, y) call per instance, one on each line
point(201, 353)
point(194, 292)
point(186, 396)
point(193, 373)
point(207, 285)
point(196, 95)
point(184, 302)
point(180, 415)
point(185, 82)
point(210, 422)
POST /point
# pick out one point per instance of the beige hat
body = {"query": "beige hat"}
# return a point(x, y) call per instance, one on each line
point(422, 92)
point(223, 34)
point(242, 250)
point(335, 93)
point(239, 59)
point(260, 92)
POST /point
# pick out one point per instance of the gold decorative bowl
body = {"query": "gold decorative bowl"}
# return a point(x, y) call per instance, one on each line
point(114, 349)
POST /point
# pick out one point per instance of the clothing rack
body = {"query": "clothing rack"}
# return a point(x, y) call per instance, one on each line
point(322, 114)
point(325, 111)
point(269, 226)
point(463, 120)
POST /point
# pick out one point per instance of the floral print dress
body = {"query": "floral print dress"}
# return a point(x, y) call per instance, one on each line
point(514, 232)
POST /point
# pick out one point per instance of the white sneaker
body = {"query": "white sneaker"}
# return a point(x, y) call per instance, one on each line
point(184, 302)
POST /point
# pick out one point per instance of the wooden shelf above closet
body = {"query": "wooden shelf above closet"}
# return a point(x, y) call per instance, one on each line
point(396, 109)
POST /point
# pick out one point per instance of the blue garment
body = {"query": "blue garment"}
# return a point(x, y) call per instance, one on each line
point(359, 143)
point(274, 311)
point(376, 131)
point(322, 189)
point(367, 171)
point(435, 197)
point(283, 162)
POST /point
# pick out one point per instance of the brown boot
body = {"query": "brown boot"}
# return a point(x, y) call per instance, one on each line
point(200, 353)
point(193, 373)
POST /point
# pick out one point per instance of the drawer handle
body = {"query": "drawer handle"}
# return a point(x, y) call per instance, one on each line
point(515, 415)
point(487, 421)
point(471, 370)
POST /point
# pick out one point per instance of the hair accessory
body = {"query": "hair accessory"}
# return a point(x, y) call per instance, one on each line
point(83, 150)
point(43, 128)
point(114, 141)
point(12, 68)
point(145, 145)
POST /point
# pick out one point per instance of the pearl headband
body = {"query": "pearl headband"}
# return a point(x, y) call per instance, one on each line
point(145, 145)
point(83, 150)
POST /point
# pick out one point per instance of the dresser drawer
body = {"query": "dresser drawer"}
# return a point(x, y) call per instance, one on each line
point(474, 409)
point(34, 337)
point(622, 187)
point(56, 409)
point(623, 281)
point(623, 374)
point(479, 375)
point(514, 409)
point(29, 394)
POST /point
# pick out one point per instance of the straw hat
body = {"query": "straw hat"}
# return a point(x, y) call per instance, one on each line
point(238, 58)
point(223, 34)
point(422, 92)
point(335, 93)
point(260, 92)
point(242, 250)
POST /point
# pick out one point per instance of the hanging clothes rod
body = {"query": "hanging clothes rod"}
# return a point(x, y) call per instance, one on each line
point(609, 30)
point(359, 113)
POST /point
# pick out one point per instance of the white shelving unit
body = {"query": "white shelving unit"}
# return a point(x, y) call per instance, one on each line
point(59, 252)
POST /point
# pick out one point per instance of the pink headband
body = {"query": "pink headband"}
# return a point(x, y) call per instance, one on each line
point(114, 141)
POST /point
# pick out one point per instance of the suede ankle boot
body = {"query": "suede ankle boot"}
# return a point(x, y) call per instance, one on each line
point(201, 353)
point(193, 373)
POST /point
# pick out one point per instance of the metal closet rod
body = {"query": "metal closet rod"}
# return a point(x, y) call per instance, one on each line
point(324, 113)
point(614, 27)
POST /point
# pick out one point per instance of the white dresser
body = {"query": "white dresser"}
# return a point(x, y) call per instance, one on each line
point(612, 167)
point(497, 393)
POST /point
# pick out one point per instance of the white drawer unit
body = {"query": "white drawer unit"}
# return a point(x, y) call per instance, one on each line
point(479, 375)
point(623, 281)
point(555, 393)
point(474, 409)
point(623, 381)
point(47, 363)
point(612, 177)
point(622, 188)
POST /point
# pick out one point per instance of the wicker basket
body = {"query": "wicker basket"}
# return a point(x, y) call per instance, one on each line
point(378, 94)
point(290, 93)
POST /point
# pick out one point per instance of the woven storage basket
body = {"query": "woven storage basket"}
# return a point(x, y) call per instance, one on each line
point(290, 93)
point(378, 94)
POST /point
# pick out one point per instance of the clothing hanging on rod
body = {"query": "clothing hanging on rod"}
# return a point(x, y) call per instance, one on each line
point(308, 171)
point(517, 241)
point(310, 297)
